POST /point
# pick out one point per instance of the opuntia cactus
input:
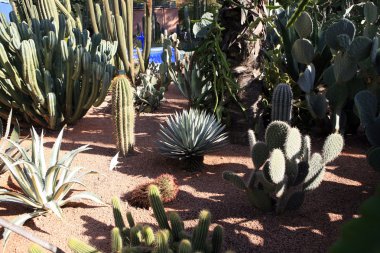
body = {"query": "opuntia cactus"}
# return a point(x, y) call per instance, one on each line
point(123, 114)
point(284, 168)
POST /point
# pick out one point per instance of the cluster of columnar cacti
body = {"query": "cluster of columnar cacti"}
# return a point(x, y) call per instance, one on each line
point(282, 103)
point(116, 22)
point(284, 168)
point(171, 237)
point(123, 114)
point(51, 71)
point(168, 42)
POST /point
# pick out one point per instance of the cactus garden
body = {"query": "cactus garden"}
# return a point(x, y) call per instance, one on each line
point(257, 131)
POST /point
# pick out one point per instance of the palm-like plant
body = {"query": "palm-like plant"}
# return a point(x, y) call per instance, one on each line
point(43, 187)
point(189, 136)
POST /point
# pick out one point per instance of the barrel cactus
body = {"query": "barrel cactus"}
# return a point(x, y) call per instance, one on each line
point(284, 168)
point(171, 237)
point(123, 114)
point(189, 135)
point(282, 103)
point(51, 71)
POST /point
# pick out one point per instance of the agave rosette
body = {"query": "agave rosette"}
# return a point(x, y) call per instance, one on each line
point(44, 188)
point(191, 134)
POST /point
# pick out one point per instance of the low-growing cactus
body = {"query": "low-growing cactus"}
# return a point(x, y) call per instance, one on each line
point(171, 237)
point(123, 114)
point(167, 184)
point(282, 103)
point(284, 168)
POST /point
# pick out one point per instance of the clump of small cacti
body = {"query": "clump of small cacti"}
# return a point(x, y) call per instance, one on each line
point(123, 114)
point(284, 169)
point(171, 237)
point(282, 103)
point(167, 184)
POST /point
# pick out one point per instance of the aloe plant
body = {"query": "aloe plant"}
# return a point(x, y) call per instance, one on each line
point(44, 187)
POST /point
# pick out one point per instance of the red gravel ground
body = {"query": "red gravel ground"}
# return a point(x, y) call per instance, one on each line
point(313, 228)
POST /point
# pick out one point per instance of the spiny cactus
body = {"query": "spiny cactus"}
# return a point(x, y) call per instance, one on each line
point(123, 114)
point(284, 169)
point(282, 103)
point(52, 72)
point(171, 237)
point(367, 104)
point(167, 184)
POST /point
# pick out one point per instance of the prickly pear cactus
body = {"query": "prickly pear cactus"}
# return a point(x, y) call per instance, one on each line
point(123, 114)
point(284, 169)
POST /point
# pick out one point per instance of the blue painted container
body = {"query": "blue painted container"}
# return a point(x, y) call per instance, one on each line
point(155, 55)
point(5, 8)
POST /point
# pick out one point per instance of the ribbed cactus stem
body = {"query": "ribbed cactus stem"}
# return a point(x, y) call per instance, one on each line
point(282, 103)
point(90, 4)
point(185, 247)
point(162, 241)
point(116, 209)
point(131, 221)
point(176, 225)
point(116, 241)
point(135, 236)
point(148, 235)
point(123, 113)
point(80, 247)
point(141, 60)
point(158, 207)
point(201, 231)
point(217, 239)
point(129, 26)
point(148, 31)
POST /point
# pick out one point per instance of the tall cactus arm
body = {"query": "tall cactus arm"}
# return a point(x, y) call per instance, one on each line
point(92, 15)
point(148, 31)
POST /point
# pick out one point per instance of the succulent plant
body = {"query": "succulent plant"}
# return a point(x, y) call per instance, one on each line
point(284, 169)
point(167, 184)
point(171, 237)
point(52, 72)
point(282, 103)
point(43, 187)
point(189, 135)
point(123, 114)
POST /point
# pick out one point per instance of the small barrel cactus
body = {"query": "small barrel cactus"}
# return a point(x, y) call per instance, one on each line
point(167, 184)
point(284, 168)
point(282, 103)
point(123, 114)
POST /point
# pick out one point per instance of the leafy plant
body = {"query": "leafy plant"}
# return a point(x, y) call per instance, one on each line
point(44, 187)
point(171, 237)
point(284, 168)
point(167, 184)
point(189, 135)
point(5, 146)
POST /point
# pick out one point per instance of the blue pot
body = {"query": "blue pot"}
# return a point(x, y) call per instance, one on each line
point(5, 8)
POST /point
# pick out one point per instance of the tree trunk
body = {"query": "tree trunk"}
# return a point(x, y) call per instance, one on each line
point(242, 45)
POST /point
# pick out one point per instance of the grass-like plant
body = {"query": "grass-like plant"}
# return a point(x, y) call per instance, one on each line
point(189, 135)
point(43, 187)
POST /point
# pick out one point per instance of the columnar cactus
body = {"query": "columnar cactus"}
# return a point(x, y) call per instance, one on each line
point(123, 114)
point(282, 103)
point(171, 237)
point(284, 168)
point(52, 72)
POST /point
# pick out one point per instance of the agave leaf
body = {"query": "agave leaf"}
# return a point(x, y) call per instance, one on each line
point(41, 157)
point(51, 178)
point(8, 196)
point(20, 220)
point(55, 150)
point(64, 189)
point(114, 161)
point(22, 151)
point(69, 157)
point(7, 130)
point(35, 148)
point(80, 196)
point(54, 207)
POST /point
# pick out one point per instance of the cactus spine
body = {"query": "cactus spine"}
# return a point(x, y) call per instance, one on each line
point(123, 114)
point(284, 171)
point(282, 103)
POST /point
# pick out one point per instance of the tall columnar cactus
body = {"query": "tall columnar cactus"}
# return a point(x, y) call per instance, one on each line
point(282, 103)
point(171, 237)
point(284, 169)
point(118, 15)
point(52, 72)
point(123, 114)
